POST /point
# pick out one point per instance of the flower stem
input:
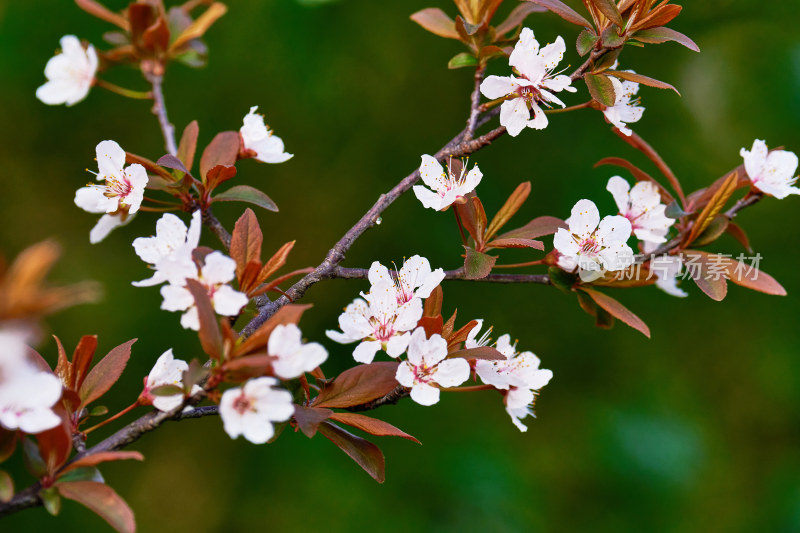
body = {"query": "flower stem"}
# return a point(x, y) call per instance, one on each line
point(520, 265)
point(128, 93)
point(566, 109)
point(460, 227)
point(159, 209)
point(472, 388)
point(161, 202)
point(111, 419)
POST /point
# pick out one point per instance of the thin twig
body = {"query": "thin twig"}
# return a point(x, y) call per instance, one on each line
point(458, 274)
point(475, 104)
point(160, 111)
point(217, 228)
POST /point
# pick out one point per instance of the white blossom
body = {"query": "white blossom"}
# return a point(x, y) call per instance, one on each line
point(251, 410)
point(667, 269)
point(518, 373)
point(260, 139)
point(771, 172)
point(377, 322)
point(70, 74)
point(170, 250)
point(626, 108)
point(166, 371)
point(27, 394)
point(415, 279)
point(446, 186)
point(120, 194)
point(642, 206)
point(215, 275)
point(592, 245)
point(292, 358)
point(533, 87)
point(427, 368)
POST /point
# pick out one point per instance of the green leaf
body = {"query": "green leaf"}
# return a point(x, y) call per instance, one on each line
point(477, 265)
point(464, 59)
point(664, 34)
point(248, 194)
point(32, 457)
point(611, 39)
point(601, 89)
point(713, 231)
point(674, 210)
point(6, 487)
point(586, 41)
point(51, 500)
point(83, 473)
point(102, 500)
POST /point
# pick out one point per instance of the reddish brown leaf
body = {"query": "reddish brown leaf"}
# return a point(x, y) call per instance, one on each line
point(447, 328)
point(481, 352)
point(516, 243)
point(222, 150)
point(188, 144)
point(638, 174)
point(8, 443)
point(249, 363)
point(753, 278)
point(662, 35)
point(276, 262)
point(219, 175)
point(370, 425)
point(738, 233)
point(288, 314)
point(617, 310)
point(462, 333)
point(517, 17)
point(437, 22)
point(246, 242)
point(601, 88)
point(609, 9)
point(309, 418)
point(639, 78)
point(538, 227)
point(210, 334)
point(63, 367)
point(660, 16)
point(359, 385)
point(105, 373)
point(472, 216)
point(714, 206)
point(367, 455)
point(707, 273)
point(55, 444)
point(103, 13)
point(95, 459)
point(509, 209)
point(37, 360)
point(82, 360)
point(564, 11)
point(431, 324)
point(156, 37)
point(102, 500)
point(6, 487)
point(433, 303)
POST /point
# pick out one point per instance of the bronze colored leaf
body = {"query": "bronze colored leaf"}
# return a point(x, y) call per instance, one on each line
point(222, 150)
point(288, 314)
point(309, 418)
point(102, 500)
point(509, 209)
point(370, 425)
point(617, 310)
point(564, 11)
point(210, 334)
point(367, 455)
point(437, 22)
point(359, 385)
point(105, 373)
point(246, 241)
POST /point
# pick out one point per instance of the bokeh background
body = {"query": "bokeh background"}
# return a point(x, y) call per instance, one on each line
point(694, 430)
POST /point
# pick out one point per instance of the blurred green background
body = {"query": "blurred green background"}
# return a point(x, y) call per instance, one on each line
point(694, 430)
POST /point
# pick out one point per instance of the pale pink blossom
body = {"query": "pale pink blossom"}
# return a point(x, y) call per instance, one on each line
point(292, 358)
point(667, 269)
point(120, 194)
point(445, 187)
point(591, 245)
point(626, 109)
point(772, 172)
point(256, 136)
point(252, 409)
point(415, 279)
point(169, 252)
point(215, 275)
point(70, 74)
point(378, 322)
point(427, 368)
point(642, 207)
point(166, 371)
point(533, 87)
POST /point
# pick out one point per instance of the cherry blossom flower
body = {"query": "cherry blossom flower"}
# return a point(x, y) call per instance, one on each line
point(447, 187)
point(70, 74)
point(27, 394)
point(592, 245)
point(166, 371)
point(378, 322)
point(534, 86)
point(251, 410)
point(215, 275)
point(292, 357)
point(260, 139)
point(667, 269)
point(121, 194)
point(642, 207)
point(772, 172)
point(415, 279)
point(427, 368)
point(170, 251)
point(626, 108)
point(519, 374)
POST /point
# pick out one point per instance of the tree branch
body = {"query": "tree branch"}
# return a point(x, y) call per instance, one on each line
point(217, 228)
point(160, 111)
point(475, 104)
point(458, 274)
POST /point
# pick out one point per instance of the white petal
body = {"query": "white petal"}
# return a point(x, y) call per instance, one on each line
point(564, 243)
point(424, 394)
point(105, 225)
point(514, 115)
point(499, 86)
point(365, 351)
point(110, 160)
point(755, 159)
point(219, 268)
point(378, 273)
point(432, 173)
point(229, 302)
point(614, 229)
point(619, 189)
point(452, 372)
point(584, 218)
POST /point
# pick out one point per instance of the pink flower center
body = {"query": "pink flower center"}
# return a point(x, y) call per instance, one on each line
point(242, 404)
point(528, 93)
point(589, 247)
point(114, 187)
point(423, 374)
point(382, 331)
